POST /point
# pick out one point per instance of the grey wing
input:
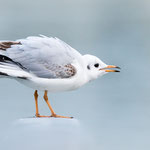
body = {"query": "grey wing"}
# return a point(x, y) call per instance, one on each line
point(45, 57)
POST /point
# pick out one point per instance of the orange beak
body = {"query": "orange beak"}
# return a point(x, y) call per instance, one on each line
point(110, 67)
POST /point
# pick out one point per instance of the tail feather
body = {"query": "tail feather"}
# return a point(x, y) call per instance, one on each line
point(10, 68)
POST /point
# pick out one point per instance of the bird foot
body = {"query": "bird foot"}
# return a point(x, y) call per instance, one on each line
point(53, 115)
point(41, 116)
point(58, 116)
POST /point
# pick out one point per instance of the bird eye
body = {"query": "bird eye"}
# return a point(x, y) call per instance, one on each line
point(96, 65)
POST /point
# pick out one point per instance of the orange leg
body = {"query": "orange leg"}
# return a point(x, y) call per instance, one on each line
point(51, 109)
point(36, 105)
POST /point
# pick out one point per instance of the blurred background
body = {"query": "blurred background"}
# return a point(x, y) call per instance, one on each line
point(114, 109)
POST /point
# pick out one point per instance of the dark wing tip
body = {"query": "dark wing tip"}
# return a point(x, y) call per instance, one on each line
point(7, 44)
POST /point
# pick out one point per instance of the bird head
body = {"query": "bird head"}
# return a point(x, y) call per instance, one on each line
point(95, 67)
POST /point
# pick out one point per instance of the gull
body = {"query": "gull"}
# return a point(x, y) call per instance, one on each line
point(49, 65)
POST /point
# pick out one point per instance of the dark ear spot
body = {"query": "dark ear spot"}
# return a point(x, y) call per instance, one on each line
point(88, 67)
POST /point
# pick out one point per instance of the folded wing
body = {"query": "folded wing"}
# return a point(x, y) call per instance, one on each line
point(43, 56)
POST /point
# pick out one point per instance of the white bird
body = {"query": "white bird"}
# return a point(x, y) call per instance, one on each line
point(48, 64)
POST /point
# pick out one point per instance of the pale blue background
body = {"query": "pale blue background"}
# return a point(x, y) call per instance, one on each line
point(114, 110)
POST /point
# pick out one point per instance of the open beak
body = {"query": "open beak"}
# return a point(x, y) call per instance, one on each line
point(106, 69)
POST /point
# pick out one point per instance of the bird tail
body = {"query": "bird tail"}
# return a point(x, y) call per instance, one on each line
point(10, 68)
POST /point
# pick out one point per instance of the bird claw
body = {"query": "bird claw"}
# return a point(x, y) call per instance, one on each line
point(40, 116)
point(58, 116)
point(53, 115)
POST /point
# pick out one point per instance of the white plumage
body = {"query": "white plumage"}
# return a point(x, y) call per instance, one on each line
point(48, 64)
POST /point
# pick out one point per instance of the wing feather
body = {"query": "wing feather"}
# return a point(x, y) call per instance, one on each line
point(45, 57)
